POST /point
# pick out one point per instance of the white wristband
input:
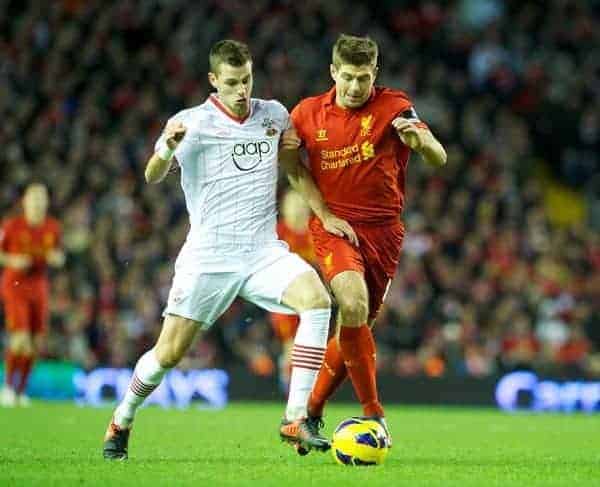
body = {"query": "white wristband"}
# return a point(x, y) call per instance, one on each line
point(165, 153)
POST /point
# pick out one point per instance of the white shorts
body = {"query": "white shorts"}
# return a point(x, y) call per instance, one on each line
point(202, 291)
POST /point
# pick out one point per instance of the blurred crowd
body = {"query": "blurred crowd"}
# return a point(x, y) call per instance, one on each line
point(489, 280)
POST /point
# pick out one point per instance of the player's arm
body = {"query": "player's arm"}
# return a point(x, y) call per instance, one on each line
point(420, 139)
point(55, 257)
point(17, 262)
point(302, 181)
point(159, 164)
point(11, 260)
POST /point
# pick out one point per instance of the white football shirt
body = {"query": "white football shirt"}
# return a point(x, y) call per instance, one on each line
point(229, 174)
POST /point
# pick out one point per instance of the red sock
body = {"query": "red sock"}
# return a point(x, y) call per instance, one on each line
point(26, 363)
point(10, 366)
point(330, 376)
point(358, 349)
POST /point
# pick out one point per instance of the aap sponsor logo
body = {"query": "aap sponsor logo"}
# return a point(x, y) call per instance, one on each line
point(246, 156)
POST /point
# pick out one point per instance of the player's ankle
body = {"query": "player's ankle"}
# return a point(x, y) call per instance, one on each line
point(122, 420)
point(315, 411)
point(373, 409)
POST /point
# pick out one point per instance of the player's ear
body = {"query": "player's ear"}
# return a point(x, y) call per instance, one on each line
point(333, 71)
point(375, 72)
point(212, 79)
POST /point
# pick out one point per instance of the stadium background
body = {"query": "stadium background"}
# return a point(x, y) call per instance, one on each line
point(500, 269)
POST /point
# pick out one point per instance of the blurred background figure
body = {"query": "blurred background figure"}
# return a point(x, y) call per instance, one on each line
point(29, 243)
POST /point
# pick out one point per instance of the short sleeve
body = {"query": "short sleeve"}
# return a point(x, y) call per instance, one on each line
point(280, 115)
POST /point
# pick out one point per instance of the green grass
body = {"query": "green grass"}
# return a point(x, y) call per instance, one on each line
point(60, 444)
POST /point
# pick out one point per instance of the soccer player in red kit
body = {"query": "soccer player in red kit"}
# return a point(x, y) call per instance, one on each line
point(28, 245)
point(357, 138)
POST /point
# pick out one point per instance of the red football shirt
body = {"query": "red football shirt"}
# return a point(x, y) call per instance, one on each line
point(19, 237)
point(355, 155)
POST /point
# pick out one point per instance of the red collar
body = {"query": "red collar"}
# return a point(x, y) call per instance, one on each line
point(226, 111)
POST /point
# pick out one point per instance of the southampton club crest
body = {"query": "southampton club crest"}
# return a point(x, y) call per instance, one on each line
point(270, 130)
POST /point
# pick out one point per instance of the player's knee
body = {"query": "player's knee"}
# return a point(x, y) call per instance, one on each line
point(317, 297)
point(354, 310)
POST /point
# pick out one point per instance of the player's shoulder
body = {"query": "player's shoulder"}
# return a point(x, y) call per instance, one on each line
point(53, 223)
point(11, 222)
point(272, 106)
point(197, 111)
point(314, 101)
point(386, 95)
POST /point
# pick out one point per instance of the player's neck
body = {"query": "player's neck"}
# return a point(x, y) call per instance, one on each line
point(339, 103)
point(241, 113)
point(33, 221)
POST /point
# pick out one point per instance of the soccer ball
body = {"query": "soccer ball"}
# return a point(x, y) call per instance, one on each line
point(359, 441)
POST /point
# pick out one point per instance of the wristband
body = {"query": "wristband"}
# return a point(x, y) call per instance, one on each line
point(165, 153)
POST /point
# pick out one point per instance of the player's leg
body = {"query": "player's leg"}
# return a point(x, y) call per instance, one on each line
point(307, 296)
point(356, 342)
point(332, 374)
point(34, 343)
point(288, 284)
point(173, 342)
point(18, 347)
point(25, 364)
point(285, 327)
point(336, 256)
point(175, 338)
point(195, 301)
point(17, 312)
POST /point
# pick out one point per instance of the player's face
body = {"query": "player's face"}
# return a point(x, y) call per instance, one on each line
point(353, 84)
point(234, 86)
point(35, 203)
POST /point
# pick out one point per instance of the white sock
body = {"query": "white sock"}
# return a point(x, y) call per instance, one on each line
point(307, 357)
point(146, 377)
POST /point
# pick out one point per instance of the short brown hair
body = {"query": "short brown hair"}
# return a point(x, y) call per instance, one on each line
point(230, 52)
point(358, 51)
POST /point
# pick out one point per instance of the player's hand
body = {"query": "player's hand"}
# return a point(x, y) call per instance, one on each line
point(290, 140)
point(55, 258)
point(18, 262)
point(410, 135)
point(174, 133)
point(339, 227)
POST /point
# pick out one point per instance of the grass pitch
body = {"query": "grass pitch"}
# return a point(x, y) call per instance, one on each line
point(60, 444)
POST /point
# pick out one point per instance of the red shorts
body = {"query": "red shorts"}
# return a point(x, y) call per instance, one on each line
point(376, 258)
point(285, 326)
point(26, 311)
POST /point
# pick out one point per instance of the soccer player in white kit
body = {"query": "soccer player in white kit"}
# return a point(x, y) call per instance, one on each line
point(227, 149)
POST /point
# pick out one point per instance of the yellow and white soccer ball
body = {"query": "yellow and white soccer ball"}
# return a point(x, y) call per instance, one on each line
point(359, 441)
